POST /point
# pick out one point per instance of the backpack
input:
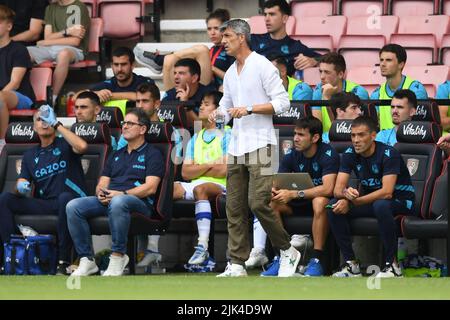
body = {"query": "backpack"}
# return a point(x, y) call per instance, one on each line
point(33, 255)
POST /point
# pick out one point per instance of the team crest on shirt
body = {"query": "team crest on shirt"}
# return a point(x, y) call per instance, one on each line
point(412, 165)
point(328, 153)
point(301, 167)
point(375, 169)
point(387, 152)
point(285, 49)
point(141, 158)
point(56, 152)
point(315, 166)
point(349, 150)
point(19, 166)
point(358, 167)
point(262, 45)
point(85, 163)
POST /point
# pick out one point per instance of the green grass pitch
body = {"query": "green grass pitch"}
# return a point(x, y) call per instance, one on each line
point(207, 286)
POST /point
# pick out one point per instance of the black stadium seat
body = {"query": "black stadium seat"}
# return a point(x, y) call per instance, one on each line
point(113, 117)
point(436, 226)
point(427, 111)
point(20, 137)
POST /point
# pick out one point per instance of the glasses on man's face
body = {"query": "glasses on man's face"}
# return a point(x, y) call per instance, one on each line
point(130, 124)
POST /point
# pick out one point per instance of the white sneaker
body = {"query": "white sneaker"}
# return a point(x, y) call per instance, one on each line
point(391, 270)
point(149, 258)
point(289, 260)
point(116, 265)
point(349, 270)
point(86, 268)
point(257, 258)
point(233, 270)
point(199, 256)
point(147, 59)
point(299, 241)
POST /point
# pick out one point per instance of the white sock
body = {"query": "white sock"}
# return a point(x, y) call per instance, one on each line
point(153, 242)
point(259, 235)
point(203, 216)
point(54, 100)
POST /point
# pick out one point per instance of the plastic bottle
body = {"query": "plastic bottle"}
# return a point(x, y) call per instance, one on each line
point(402, 251)
point(44, 111)
point(220, 120)
point(299, 75)
point(27, 231)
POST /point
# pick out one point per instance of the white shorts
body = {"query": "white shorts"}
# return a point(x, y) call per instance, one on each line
point(190, 186)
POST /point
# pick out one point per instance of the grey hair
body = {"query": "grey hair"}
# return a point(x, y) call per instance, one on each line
point(238, 26)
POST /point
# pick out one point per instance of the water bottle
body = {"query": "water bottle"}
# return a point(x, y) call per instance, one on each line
point(27, 231)
point(299, 75)
point(402, 250)
point(220, 120)
point(44, 111)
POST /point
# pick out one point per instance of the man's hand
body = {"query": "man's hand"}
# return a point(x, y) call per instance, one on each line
point(183, 94)
point(302, 62)
point(283, 196)
point(104, 95)
point(23, 187)
point(328, 90)
point(351, 193)
point(77, 31)
point(341, 207)
point(112, 193)
point(238, 112)
point(444, 143)
point(212, 116)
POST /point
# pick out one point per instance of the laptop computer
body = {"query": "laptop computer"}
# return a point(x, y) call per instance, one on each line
point(292, 181)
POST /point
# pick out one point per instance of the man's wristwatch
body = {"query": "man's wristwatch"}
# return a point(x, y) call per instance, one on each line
point(249, 110)
point(57, 125)
point(65, 34)
point(125, 192)
point(301, 194)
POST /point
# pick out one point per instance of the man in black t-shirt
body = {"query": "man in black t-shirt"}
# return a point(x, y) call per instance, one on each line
point(122, 87)
point(54, 170)
point(15, 87)
point(321, 161)
point(188, 88)
point(385, 191)
point(29, 23)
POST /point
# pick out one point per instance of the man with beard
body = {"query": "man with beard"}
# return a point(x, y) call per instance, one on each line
point(122, 87)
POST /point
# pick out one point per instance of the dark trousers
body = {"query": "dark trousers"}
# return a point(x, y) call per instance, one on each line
point(383, 210)
point(12, 204)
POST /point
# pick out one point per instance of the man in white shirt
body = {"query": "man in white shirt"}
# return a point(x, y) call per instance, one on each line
point(253, 92)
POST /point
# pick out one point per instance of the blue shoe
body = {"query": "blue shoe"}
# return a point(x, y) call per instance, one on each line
point(314, 268)
point(272, 269)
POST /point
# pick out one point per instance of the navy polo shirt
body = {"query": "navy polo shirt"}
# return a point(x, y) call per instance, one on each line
point(325, 161)
point(129, 170)
point(286, 47)
point(370, 171)
point(53, 169)
point(113, 86)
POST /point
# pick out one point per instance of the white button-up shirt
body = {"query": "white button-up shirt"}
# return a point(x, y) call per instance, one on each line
point(258, 83)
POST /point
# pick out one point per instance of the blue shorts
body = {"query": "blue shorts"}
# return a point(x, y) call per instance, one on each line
point(24, 101)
